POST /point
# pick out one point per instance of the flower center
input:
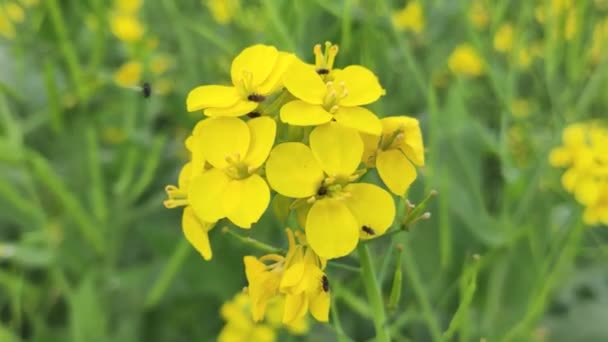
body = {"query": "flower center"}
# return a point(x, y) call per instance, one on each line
point(333, 96)
point(237, 168)
point(248, 89)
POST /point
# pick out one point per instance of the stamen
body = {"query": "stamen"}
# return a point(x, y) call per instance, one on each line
point(177, 197)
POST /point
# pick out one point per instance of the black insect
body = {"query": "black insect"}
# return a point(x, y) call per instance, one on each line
point(146, 89)
point(325, 283)
point(322, 71)
point(256, 98)
point(368, 230)
point(322, 191)
point(254, 115)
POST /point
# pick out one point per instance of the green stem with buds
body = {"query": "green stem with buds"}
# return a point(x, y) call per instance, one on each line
point(374, 294)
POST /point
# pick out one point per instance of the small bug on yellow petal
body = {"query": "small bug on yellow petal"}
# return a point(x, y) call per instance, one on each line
point(368, 230)
point(325, 283)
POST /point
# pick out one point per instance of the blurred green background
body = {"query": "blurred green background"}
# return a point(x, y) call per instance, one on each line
point(88, 252)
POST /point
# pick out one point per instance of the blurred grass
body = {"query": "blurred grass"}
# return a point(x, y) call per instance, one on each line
point(87, 252)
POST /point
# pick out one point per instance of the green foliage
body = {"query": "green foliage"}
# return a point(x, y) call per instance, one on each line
point(88, 252)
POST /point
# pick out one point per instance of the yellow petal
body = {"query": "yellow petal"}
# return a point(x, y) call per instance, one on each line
point(205, 195)
point(293, 275)
point(372, 206)
point(274, 82)
point(360, 119)
point(211, 96)
point(300, 113)
point(362, 85)
point(293, 171)
point(184, 176)
point(263, 131)
point(253, 65)
point(303, 82)
point(370, 147)
point(241, 107)
point(587, 192)
point(395, 170)
point(196, 232)
point(411, 144)
point(331, 229)
point(296, 307)
point(319, 306)
point(253, 267)
point(337, 148)
point(560, 157)
point(245, 200)
point(223, 137)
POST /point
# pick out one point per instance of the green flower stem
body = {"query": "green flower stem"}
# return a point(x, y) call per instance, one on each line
point(251, 242)
point(160, 287)
point(374, 294)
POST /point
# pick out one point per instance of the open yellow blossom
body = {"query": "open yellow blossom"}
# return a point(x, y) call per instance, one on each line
point(126, 27)
point(298, 277)
point(323, 174)
point(395, 151)
point(231, 187)
point(465, 60)
point(337, 100)
point(410, 18)
point(256, 72)
point(503, 38)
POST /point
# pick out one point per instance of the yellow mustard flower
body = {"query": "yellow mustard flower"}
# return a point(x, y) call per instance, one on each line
point(126, 27)
point(465, 60)
point(323, 174)
point(410, 18)
point(337, 100)
point(503, 38)
point(223, 11)
point(195, 230)
point(10, 14)
point(478, 14)
point(524, 57)
point(231, 188)
point(394, 152)
point(129, 74)
point(239, 324)
point(127, 6)
point(585, 155)
point(256, 73)
point(520, 107)
point(298, 277)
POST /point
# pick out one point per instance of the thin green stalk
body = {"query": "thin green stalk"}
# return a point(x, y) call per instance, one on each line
point(251, 242)
point(65, 45)
point(335, 319)
point(162, 283)
point(411, 270)
point(374, 294)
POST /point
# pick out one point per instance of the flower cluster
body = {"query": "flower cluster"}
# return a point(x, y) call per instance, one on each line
point(240, 325)
point(585, 155)
point(300, 132)
point(140, 47)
